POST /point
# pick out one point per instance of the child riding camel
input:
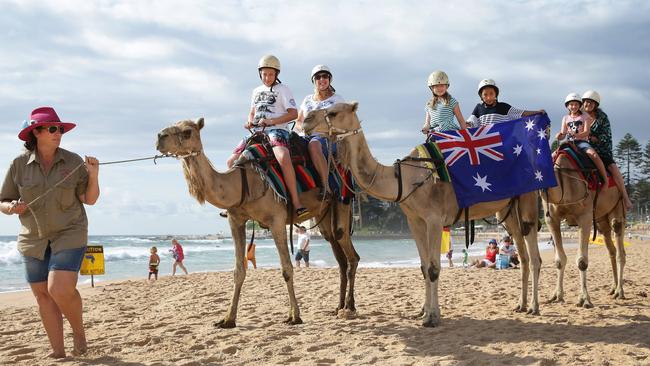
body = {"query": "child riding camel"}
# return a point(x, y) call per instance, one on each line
point(272, 108)
point(442, 107)
point(491, 110)
point(576, 125)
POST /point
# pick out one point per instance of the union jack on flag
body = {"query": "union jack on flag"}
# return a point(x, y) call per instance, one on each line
point(503, 160)
point(471, 143)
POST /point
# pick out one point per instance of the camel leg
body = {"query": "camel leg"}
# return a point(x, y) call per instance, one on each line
point(618, 224)
point(553, 222)
point(584, 222)
point(345, 241)
point(279, 232)
point(527, 209)
point(428, 237)
point(524, 259)
point(238, 230)
point(339, 255)
point(606, 231)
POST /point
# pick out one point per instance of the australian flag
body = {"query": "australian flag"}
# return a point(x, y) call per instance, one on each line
point(498, 161)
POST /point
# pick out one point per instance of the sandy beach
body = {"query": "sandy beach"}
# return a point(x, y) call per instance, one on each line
point(170, 322)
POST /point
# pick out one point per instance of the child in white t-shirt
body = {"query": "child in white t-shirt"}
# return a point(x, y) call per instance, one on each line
point(272, 108)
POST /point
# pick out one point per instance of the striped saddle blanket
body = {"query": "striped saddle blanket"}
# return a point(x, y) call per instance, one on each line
point(582, 163)
point(430, 150)
point(340, 180)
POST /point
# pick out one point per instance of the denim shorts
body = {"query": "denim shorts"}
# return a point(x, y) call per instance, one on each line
point(324, 143)
point(37, 270)
point(277, 137)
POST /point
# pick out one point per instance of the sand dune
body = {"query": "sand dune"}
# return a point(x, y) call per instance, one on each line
point(171, 321)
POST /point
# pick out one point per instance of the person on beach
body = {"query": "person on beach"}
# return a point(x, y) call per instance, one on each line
point(508, 249)
point(600, 136)
point(324, 96)
point(465, 258)
point(178, 255)
point(303, 247)
point(272, 108)
point(576, 126)
point(154, 261)
point(250, 256)
point(449, 256)
point(441, 109)
point(490, 110)
point(47, 187)
point(490, 259)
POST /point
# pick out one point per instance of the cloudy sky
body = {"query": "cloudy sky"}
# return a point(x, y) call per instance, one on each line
point(123, 70)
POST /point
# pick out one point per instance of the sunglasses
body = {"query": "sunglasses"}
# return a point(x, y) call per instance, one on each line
point(52, 129)
point(322, 76)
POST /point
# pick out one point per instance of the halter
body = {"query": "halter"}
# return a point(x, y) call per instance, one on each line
point(180, 143)
point(338, 133)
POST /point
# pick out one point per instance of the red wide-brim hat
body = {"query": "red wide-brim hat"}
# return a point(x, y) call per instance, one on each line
point(40, 117)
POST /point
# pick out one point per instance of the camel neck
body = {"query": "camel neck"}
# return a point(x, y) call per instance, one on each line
point(206, 184)
point(376, 179)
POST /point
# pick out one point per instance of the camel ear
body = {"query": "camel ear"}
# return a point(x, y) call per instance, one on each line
point(200, 123)
point(355, 105)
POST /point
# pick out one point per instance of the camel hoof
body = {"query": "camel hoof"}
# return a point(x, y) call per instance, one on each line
point(346, 314)
point(225, 324)
point(431, 323)
point(520, 309)
point(555, 298)
point(587, 305)
point(293, 321)
point(619, 295)
point(533, 312)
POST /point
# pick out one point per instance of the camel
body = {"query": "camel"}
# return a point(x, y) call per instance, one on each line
point(429, 205)
point(572, 200)
point(256, 201)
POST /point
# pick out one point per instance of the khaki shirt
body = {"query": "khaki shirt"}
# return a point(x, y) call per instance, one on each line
point(60, 214)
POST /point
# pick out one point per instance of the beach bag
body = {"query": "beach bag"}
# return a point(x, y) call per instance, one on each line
point(503, 261)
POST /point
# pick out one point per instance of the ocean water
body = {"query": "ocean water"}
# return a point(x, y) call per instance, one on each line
point(128, 256)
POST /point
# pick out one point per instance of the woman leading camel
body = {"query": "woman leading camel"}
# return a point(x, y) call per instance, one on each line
point(324, 96)
point(54, 231)
point(600, 137)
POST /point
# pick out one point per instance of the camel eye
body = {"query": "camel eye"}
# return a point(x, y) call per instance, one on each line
point(186, 134)
point(331, 114)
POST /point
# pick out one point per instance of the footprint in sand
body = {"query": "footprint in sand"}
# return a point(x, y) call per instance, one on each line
point(230, 350)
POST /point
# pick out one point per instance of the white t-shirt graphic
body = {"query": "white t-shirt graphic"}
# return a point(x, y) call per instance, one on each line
point(272, 104)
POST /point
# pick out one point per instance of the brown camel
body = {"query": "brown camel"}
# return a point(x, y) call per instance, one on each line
point(226, 191)
point(428, 204)
point(573, 201)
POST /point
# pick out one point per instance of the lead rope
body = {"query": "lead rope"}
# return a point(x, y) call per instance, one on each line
point(29, 204)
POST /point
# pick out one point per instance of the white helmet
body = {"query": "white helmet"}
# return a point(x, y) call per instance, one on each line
point(593, 95)
point(269, 61)
point(437, 77)
point(487, 82)
point(572, 97)
point(320, 68)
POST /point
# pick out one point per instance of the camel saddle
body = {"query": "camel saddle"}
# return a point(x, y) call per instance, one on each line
point(583, 164)
point(259, 151)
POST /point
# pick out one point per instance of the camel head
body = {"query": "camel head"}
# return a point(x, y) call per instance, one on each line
point(181, 138)
point(335, 120)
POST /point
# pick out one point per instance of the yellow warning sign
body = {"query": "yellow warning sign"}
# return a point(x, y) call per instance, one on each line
point(601, 241)
point(93, 263)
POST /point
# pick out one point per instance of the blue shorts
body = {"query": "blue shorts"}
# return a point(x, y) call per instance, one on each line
point(324, 144)
point(304, 255)
point(582, 145)
point(37, 270)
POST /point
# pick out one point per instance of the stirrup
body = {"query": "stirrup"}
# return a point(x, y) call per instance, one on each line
point(301, 213)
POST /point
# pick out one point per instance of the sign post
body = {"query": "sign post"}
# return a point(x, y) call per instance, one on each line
point(93, 262)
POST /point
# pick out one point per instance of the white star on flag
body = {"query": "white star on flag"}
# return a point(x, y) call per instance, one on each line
point(541, 134)
point(530, 124)
point(482, 182)
point(539, 151)
point(517, 149)
point(538, 175)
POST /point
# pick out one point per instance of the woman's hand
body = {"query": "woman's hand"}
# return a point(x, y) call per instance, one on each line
point(92, 165)
point(17, 207)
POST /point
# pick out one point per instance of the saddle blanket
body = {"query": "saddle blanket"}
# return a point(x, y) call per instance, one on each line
point(340, 181)
point(578, 164)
